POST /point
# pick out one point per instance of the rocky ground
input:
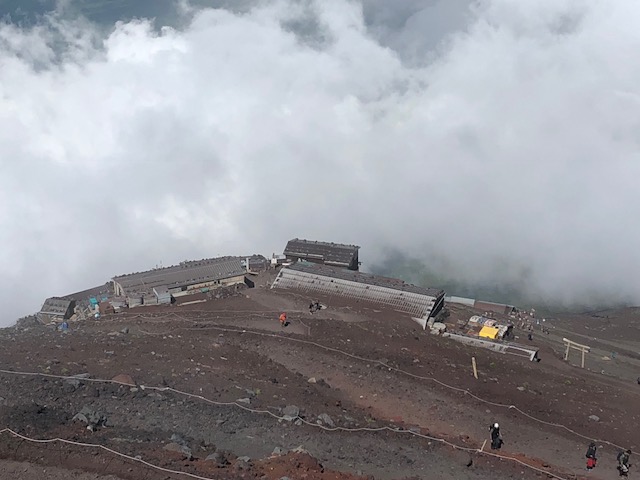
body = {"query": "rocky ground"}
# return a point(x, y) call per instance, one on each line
point(220, 390)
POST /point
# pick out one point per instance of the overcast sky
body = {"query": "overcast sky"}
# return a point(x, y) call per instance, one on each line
point(497, 139)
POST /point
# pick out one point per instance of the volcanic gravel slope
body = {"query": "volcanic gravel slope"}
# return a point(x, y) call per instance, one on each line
point(351, 391)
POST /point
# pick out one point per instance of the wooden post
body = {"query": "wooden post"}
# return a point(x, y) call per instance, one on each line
point(483, 444)
point(582, 348)
point(475, 370)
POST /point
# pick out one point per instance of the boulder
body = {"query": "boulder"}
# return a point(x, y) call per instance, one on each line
point(325, 419)
point(594, 418)
point(178, 439)
point(177, 448)
point(278, 451)
point(242, 463)
point(89, 416)
point(74, 382)
point(291, 411)
point(246, 401)
point(219, 457)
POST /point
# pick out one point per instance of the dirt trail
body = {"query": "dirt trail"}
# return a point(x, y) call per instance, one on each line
point(254, 377)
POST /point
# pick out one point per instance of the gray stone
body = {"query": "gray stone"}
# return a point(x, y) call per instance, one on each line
point(125, 330)
point(326, 420)
point(182, 449)
point(242, 463)
point(312, 380)
point(291, 411)
point(219, 458)
point(522, 389)
point(283, 478)
point(595, 418)
point(74, 382)
point(178, 439)
point(298, 422)
point(277, 451)
point(90, 417)
point(246, 401)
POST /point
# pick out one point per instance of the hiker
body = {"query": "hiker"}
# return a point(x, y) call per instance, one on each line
point(623, 463)
point(530, 337)
point(496, 438)
point(65, 326)
point(315, 307)
point(283, 319)
point(591, 456)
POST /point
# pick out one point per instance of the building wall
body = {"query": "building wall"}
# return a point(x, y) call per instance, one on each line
point(355, 265)
point(196, 288)
point(352, 266)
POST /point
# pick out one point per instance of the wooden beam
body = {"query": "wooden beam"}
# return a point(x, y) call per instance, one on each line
point(577, 346)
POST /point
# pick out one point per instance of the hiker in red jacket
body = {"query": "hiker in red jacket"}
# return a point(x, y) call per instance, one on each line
point(283, 319)
point(591, 456)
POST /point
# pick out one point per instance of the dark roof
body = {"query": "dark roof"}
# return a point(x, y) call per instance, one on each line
point(184, 274)
point(55, 306)
point(100, 291)
point(364, 278)
point(336, 253)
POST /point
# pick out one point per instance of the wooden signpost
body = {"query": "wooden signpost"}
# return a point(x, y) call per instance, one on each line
point(571, 344)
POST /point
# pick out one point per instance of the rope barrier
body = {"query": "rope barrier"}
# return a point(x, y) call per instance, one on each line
point(256, 411)
point(95, 445)
point(398, 370)
point(267, 412)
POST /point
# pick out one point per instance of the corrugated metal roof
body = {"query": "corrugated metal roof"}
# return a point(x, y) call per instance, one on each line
point(337, 253)
point(417, 301)
point(185, 274)
point(365, 278)
point(98, 292)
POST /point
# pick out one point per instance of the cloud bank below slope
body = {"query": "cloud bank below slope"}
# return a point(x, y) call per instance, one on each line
point(507, 152)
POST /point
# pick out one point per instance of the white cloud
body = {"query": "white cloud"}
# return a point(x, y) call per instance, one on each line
point(509, 146)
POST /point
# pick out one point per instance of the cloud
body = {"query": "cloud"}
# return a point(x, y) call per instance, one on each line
point(503, 147)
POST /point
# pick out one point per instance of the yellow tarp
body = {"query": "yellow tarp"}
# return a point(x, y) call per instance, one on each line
point(489, 332)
